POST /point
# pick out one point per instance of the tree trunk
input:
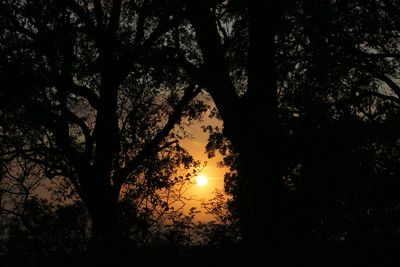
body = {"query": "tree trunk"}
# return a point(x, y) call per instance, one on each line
point(260, 150)
point(107, 228)
point(251, 123)
point(101, 200)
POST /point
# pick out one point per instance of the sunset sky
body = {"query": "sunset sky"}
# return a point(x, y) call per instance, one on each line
point(212, 172)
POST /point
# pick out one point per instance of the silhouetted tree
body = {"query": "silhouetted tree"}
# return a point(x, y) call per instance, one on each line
point(82, 99)
point(306, 90)
point(267, 65)
point(249, 111)
point(47, 233)
point(340, 107)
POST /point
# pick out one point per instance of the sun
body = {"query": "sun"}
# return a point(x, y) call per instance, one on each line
point(201, 180)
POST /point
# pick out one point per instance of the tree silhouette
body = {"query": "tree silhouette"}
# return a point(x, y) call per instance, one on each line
point(267, 65)
point(247, 116)
point(307, 91)
point(341, 114)
point(82, 99)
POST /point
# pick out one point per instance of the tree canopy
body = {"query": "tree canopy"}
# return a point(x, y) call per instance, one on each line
point(95, 92)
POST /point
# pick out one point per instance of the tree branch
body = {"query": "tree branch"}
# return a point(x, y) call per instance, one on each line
point(115, 16)
point(99, 13)
point(380, 55)
point(152, 146)
point(380, 76)
point(139, 49)
point(84, 92)
point(86, 132)
point(139, 34)
point(384, 97)
point(219, 84)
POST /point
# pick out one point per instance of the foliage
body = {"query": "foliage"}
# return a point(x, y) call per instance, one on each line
point(86, 100)
point(94, 93)
point(44, 231)
point(337, 74)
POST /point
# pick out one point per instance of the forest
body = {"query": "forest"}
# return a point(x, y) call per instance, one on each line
point(97, 99)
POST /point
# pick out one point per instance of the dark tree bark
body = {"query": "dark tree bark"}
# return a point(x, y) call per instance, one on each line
point(250, 121)
point(88, 140)
point(104, 210)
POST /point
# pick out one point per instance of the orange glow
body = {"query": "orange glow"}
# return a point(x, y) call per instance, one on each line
point(201, 180)
point(213, 174)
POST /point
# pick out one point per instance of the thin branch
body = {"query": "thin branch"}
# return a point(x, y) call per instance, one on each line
point(153, 146)
point(166, 145)
point(85, 129)
point(380, 55)
point(139, 49)
point(84, 92)
point(392, 85)
point(384, 97)
point(140, 26)
point(16, 214)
